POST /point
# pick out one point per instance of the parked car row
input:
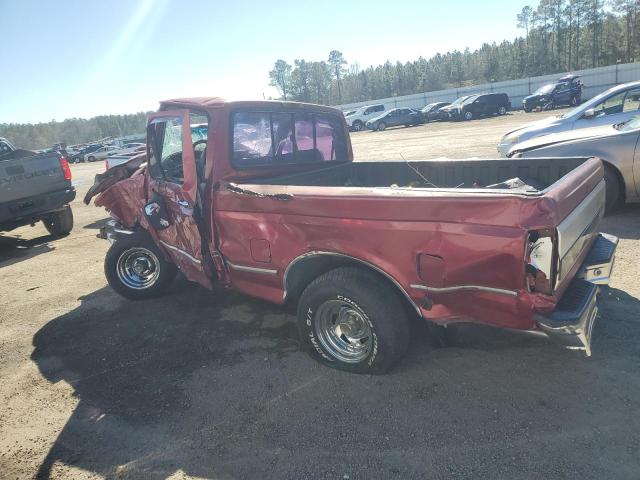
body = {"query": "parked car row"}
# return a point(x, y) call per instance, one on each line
point(566, 91)
point(98, 151)
point(468, 107)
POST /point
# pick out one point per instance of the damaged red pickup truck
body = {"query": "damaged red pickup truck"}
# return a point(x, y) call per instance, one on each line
point(264, 197)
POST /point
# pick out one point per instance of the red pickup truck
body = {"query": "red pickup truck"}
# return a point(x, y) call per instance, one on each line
point(264, 197)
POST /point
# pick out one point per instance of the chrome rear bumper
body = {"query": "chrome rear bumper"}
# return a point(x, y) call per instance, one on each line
point(571, 323)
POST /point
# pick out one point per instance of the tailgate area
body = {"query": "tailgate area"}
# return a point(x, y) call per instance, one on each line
point(26, 177)
point(571, 323)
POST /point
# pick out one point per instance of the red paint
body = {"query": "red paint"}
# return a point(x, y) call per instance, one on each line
point(415, 236)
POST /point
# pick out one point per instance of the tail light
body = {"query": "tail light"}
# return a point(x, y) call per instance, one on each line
point(541, 261)
point(64, 165)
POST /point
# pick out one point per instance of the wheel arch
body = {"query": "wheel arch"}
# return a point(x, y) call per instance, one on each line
point(303, 269)
point(616, 170)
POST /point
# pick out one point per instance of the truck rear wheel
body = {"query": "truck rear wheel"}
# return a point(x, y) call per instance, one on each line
point(59, 223)
point(350, 321)
point(136, 268)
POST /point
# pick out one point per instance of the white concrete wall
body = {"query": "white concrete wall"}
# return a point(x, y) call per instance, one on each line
point(596, 80)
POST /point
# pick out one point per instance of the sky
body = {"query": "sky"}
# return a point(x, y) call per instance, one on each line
point(82, 58)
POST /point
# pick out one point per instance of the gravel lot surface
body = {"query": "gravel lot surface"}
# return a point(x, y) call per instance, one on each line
point(212, 385)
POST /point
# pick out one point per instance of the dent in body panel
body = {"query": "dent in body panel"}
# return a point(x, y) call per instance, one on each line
point(474, 254)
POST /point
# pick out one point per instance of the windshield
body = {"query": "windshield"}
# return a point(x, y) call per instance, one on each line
point(629, 125)
point(590, 104)
point(544, 90)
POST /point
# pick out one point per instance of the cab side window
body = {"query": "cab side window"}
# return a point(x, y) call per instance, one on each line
point(262, 139)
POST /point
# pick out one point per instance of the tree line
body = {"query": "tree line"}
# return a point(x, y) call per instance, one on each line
point(73, 131)
point(558, 36)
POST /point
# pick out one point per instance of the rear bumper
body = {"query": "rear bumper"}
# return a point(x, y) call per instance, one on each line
point(29, 210)
point(571, 323)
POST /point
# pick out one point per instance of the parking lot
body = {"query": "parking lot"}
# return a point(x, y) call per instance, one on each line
point(212, 385)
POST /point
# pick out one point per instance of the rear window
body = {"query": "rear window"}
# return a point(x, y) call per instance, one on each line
point(277, 138)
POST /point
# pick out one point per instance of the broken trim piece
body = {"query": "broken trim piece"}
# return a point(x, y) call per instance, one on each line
point(457, 288)
point(176, 249)
point(316, 253)
point(246, 268)
point(232, 187)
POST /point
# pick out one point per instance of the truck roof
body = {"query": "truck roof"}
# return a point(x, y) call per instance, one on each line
point(205, 103)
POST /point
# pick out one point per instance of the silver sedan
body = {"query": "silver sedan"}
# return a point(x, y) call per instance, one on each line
point(618, 146)
point(618, 104)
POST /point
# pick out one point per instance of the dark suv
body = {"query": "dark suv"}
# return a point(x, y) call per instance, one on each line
point(480, 105)
point(566, 91)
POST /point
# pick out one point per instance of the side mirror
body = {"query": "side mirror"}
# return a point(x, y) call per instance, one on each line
point(589, 114)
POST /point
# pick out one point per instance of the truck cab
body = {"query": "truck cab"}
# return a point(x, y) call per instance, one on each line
point(266, 199)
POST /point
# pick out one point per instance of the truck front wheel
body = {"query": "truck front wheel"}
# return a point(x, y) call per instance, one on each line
point(59, 223)
point(136, 268)
point(350, 321)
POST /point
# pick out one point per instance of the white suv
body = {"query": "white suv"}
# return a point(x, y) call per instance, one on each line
point(359, 118)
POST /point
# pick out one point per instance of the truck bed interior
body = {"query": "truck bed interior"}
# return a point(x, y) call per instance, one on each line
point(527, 175)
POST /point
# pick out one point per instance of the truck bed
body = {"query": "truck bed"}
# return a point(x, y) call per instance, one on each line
point(538, 174)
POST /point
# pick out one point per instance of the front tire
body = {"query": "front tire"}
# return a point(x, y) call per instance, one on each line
point(468, 116)
point(92, 158)
point(357, 126)
point(136, 268)
point(349, 320)
point(613, 187)
point(382, 126)
point(502, 111)
point(59, 223)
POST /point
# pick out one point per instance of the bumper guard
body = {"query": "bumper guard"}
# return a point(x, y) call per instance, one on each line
point(571, 323)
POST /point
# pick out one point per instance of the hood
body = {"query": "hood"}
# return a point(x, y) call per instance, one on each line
point(568, 136)
point(537, 125)
point(112, 176)
point(533, 98)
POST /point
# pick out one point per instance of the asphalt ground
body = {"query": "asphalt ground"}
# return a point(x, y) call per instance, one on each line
point(212, 385)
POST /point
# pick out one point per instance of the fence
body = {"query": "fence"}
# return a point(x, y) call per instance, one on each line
point(596, 80)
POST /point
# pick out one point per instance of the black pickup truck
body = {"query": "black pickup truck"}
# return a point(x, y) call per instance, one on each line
point(35, 187)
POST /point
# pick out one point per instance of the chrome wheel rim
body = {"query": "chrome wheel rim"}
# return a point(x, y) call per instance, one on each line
point(357, 126)
point(138, 268)
point(344, 331)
